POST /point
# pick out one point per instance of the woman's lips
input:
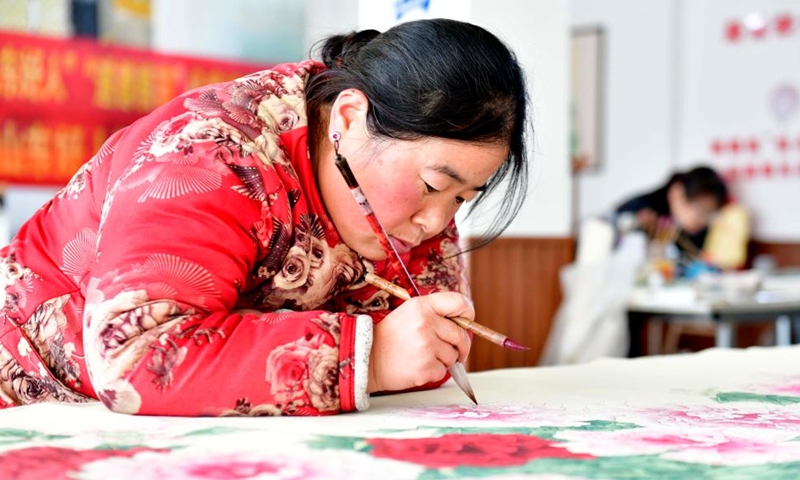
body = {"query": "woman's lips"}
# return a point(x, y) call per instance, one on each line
point(401, 245)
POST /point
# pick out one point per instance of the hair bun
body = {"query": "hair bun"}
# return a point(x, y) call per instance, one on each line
point(338, 49)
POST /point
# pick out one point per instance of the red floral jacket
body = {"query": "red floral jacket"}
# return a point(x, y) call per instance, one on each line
point(130, 285)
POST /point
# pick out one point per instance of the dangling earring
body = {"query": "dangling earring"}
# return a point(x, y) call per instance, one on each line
point(335, 137)
point(341, 163)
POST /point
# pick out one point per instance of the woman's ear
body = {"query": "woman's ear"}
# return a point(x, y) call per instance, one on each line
point(349, 114)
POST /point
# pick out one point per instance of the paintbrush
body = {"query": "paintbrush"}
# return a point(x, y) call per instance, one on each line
point(457, 370)
point(480, 330)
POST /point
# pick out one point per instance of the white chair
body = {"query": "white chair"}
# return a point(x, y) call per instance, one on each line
point(591, 321)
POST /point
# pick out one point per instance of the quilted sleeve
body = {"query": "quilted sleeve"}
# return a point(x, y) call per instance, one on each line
point(180, 232)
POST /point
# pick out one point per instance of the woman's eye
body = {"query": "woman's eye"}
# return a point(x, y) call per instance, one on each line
point(460, 200)
point(429, 188)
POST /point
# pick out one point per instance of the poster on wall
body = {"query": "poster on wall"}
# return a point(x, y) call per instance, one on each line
point(384, 14)
point(586, 88)
point(61, 98)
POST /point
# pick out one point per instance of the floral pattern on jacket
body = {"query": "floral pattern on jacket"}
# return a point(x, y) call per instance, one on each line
point(189, 268)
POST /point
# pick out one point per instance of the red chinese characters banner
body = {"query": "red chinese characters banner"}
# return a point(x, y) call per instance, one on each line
point(60, 99)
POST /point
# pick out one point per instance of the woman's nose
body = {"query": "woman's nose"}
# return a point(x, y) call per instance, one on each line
point(432, 218)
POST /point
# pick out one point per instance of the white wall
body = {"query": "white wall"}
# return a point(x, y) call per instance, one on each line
point(640, 99)
point(326, 17)
point(538, 32)
point(22, 202)
point(539, 35)
point(727, 88)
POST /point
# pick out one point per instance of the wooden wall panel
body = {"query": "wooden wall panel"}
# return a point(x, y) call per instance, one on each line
point(516, 291)
point(785, 254)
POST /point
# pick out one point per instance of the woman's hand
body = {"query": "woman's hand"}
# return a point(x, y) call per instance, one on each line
point(416, 343)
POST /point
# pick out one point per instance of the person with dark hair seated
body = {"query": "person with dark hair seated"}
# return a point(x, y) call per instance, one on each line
point(682, 209)
point(210, 258)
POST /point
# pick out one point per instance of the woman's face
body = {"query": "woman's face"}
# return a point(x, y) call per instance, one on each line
point(692, 215)
point(414, 187)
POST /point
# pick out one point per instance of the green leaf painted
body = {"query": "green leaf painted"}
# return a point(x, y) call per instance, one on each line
point(730, 397)
point(120, 447)
point(542, 432)
point(214, 431)
point(356, 444)
point(10, 436)
point(604, 425)
point(639, 467)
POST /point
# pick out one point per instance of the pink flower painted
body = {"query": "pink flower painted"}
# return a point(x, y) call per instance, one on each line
point(490, 414)
point(243, 464)
point(784, 385)
point(233, 469)
point(711, 446)
point(54, 463)
point(750, 416)
point(789, 389)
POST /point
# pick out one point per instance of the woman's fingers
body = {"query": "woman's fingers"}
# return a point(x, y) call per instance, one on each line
point(448, 305)
point(455, 337)
point(451, 304)
point(447, 354)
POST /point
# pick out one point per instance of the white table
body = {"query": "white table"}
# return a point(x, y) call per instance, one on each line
point(777, 301)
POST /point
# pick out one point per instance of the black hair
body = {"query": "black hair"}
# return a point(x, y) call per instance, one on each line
point(434, 78)
point(702, 181)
